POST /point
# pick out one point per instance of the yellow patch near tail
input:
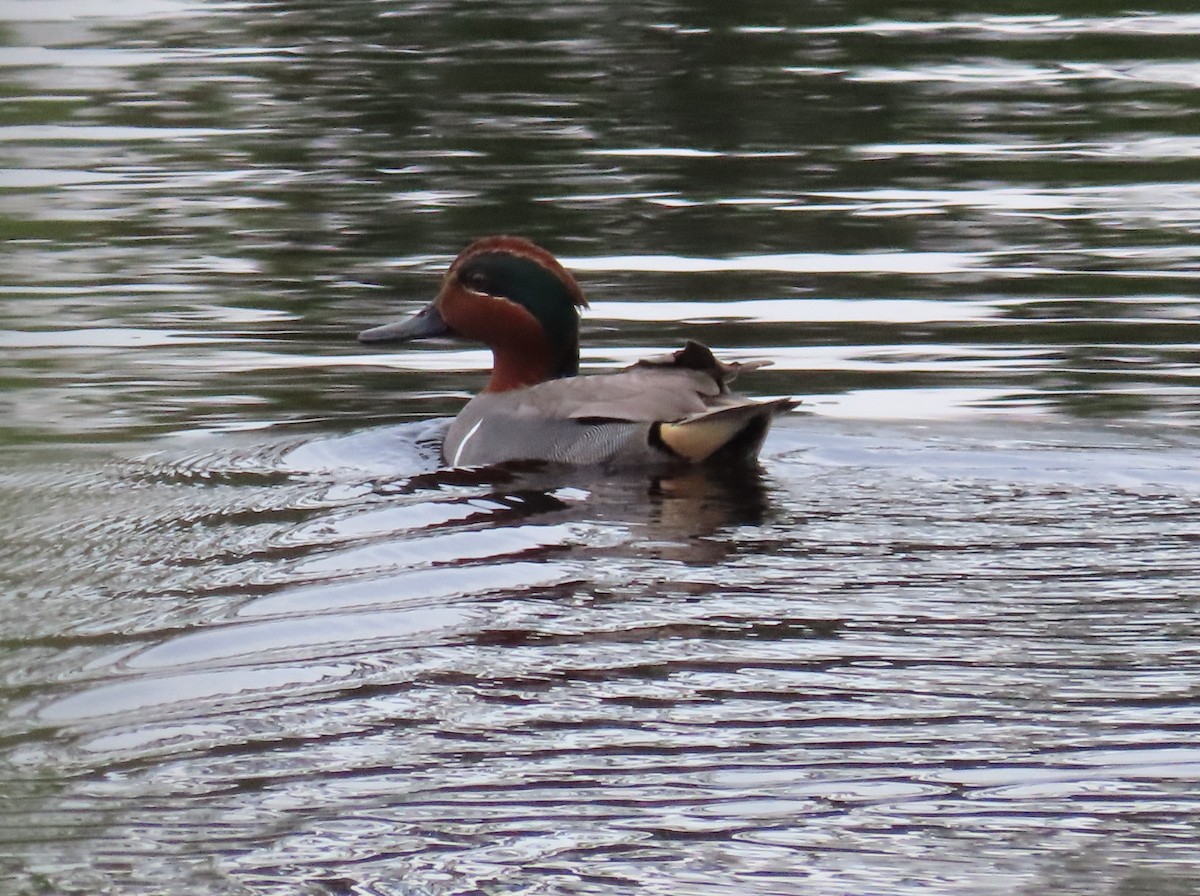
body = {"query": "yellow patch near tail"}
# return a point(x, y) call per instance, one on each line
point(702, 437)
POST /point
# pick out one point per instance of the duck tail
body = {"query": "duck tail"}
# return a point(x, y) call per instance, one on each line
point(730, 433)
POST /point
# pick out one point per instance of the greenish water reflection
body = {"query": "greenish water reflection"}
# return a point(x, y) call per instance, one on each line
point(219, 184)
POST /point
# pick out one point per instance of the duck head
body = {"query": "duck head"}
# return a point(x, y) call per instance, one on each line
point(514, 297)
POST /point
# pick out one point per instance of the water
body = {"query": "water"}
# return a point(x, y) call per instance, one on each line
point(945, 641)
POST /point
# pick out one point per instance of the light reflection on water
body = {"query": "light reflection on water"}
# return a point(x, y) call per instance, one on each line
point(257, 642)
point(902, 651)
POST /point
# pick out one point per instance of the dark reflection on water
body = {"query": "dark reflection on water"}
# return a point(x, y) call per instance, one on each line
point(255, 641)
point(203, 202)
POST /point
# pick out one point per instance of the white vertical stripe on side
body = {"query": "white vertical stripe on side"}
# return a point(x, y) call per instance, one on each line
point(463, 443)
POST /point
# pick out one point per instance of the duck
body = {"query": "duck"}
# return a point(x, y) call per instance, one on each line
point(516, 298)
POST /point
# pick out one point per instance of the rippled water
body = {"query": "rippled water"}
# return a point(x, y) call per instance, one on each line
point(256, 641)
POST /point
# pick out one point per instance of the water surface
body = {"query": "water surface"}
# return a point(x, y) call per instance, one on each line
point(943, 641)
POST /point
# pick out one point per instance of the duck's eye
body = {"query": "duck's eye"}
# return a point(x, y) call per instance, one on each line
point(476, 280)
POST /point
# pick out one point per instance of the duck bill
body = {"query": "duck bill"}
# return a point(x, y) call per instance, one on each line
point(425, 324)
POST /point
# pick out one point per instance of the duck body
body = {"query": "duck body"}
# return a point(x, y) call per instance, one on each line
point(515, 297)
point(630, 418)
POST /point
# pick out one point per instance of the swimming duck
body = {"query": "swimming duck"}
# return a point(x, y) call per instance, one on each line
point(516, 298)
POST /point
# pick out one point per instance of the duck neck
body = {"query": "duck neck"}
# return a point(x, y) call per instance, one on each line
point(532, 364)
point(511, 371)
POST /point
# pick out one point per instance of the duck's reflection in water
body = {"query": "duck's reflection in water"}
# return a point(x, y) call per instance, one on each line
point(685, 514)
